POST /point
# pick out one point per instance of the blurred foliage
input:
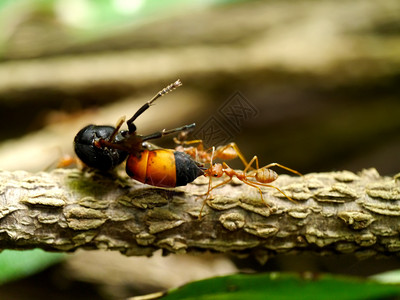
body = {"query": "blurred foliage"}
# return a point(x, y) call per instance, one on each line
point(90, 19)
point(18, 264)
point(388, 277)
point(284, 286)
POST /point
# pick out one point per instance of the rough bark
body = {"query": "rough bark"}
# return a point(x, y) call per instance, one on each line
point(337, 212)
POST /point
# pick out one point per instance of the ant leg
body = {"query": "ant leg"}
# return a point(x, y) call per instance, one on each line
point(259, 190)
point(283, 167)
point(208, 192)
point(210, 177)
point(166, 90)
point(255, 158)
point(159, 134)
point(202, 207)
point(220, 184)
point(271, 186)
point(199, 142)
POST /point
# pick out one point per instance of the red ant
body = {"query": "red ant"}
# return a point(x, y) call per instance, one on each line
point(198, 153)
point(66, 161)
point(263, 176)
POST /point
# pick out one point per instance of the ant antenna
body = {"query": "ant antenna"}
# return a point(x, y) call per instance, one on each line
point(164, 91)
point(212, 155)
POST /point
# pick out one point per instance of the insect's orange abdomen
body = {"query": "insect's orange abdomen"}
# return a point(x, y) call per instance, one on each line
point(136, 166)
point(155, 167)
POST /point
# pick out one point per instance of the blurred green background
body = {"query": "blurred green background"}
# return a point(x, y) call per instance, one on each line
point(320, 81)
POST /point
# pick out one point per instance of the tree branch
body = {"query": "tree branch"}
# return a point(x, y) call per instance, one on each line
point(337, 212)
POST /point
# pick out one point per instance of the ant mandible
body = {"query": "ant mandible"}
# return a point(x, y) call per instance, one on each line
point(105, 147)
point(263, 176)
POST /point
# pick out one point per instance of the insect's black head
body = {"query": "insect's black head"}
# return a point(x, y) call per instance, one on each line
point(101, 158)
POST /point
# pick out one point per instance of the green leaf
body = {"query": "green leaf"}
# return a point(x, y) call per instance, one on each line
point(283, 286)
point(19, 264)
point(388, 277)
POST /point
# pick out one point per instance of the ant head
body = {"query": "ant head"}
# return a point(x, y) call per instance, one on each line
point(215, 170)
point(101, 158)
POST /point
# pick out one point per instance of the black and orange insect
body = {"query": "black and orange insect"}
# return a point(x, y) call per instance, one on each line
point(105, 147)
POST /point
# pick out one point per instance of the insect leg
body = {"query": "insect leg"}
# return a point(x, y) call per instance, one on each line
point(159, 134)
point(283, 167)
point(117, 128)
point(254, 159)
point(268, 185)
point(210, 188)
point(253, 184)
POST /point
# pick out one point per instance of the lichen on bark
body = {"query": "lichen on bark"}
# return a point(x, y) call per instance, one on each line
point(67, 209)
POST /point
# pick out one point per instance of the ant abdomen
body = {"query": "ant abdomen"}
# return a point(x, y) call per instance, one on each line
point(265, 175)
point(227, 152)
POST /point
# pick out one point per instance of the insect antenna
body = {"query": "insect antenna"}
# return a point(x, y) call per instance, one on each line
point(164, 91)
